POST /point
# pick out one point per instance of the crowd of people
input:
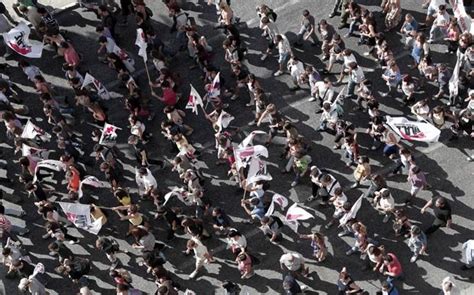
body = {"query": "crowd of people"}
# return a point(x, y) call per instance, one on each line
point(190, 211)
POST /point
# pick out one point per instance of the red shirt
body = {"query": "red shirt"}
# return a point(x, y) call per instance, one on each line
point(169, 97)
point(71, 57)
point(5, 224)
point(394, 267)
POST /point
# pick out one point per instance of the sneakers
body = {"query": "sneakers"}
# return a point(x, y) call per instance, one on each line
point(331, 15)
point(234, 97)
point(294, 183)
point(355, 185)
point(386, 218)
point(312, 98)
point(311, 198)
point(278, 73)
point(72, 242)
point(413, 258)
point(249, 104)
point(264, 57)
point(252, 123)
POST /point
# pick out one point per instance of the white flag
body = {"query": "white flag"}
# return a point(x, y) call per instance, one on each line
point(89, 180)
point(465, 22)
point(101, 90)
point(414, 130)
point(454, 81)
point(27, 150)
point(194, 100)
point(215, 88)
point(79, 215)
point(353, 212)
point(224, 120)
point(109, 134)
point(141, 42)
point(242, 154)
point(31, 131)
point(257, 171)
point(126, 59)
point(277, 199)
point(294, 214)
point(18, 40)
point(52, 165)
point(181, 194)
point(249, 139)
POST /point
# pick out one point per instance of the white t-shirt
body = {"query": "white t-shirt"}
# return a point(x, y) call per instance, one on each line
point(284, 46)
point(442, 20)
point(321, 91)
point(149, 181)
point(292, 265)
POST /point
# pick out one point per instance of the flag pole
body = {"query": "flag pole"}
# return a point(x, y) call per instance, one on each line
point(148, 75)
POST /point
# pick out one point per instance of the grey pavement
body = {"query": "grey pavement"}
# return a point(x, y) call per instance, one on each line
point(448, 172)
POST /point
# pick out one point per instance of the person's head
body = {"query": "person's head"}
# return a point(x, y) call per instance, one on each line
point(306, 13)
point(338, 192)
point(133, 139)
point(278, 38)
point(441, 202)
point(271, 108)
point(265, 220)
point(64, 45)
point(53, 247)
point(415, 230)
point(133, 209)
point(30, 187)
point(387, 259)
point(327, 106)
point(138, 232)
point(104, 167)
point(408, 18)
point(441, 9)
point(24, 161)
point(191, 244)
point(385, 286)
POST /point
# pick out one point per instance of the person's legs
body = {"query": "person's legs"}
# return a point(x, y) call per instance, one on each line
point(299, 36)
point(335, 9)
point(434, 227)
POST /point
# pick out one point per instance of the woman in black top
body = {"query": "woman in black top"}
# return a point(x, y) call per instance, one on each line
point(276, 121)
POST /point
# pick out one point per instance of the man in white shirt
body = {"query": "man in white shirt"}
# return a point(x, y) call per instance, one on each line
point(356, 77)
point(323, 91)
point(146, 182)
point(468, 252)
point(440, 24)
point(200, 253)
point(294, 263)
point(296, 69)
point(284, 52)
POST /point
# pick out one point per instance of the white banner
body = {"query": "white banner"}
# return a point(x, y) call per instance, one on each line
point(464, 20)
point(126, 59)
point(18, 40)
point(224, 120)
point(215, 88)
point(109, 135)
point(257, 171)
point(454, 81)
point(80, 215)
point(243, 155)
point(277, 199)
point(353, 212)
point(101, 90)
point(249, 139)
point(413, 130)
point(31, 131)
point(294, 214)
point(141, 43)
point(194, 100)
point(181, 194)
point(89, 180)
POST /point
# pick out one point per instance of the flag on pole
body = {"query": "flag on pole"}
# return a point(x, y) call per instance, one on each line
point(294, 214)
point(249, 139)
point(413, 130)
point(277, 199)
point(18, 40)
point(181, 194)
point(454, 80)
point(141, 42)
point(31, 131)
point(194, 100)
point(257, 171)
point(215, 88)
point(27, 150)
point(101, 90)
point(224, 120)
point(89, 180)
point(353, 212)
point(49, 164)
point(125, 57)
point(79, 215)
point(242, 154)
point(109, 134)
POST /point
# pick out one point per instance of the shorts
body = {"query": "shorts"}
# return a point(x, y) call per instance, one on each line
point(415, 190)
point(283, 58)
point(390, 150)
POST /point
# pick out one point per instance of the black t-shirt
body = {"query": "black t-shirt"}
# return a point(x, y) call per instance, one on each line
point(119, 65)
point(39, 193)
point(443, 214)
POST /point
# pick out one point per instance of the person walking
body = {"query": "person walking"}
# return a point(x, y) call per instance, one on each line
point(442, 213)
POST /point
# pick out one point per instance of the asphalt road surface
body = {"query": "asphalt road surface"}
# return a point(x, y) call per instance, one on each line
point(448, 172)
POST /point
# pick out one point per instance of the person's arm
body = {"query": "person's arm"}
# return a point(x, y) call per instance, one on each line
point(264, 114)
point(427, 205)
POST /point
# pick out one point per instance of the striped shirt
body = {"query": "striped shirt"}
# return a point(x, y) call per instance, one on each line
point(5, 224)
